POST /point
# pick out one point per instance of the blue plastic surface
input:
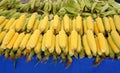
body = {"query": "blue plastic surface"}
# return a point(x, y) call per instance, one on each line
point(78, 66)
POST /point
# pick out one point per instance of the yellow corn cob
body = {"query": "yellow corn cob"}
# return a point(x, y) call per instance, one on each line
point(10, 22)
point(43, 23)
point(117, 22)
point(71, 52)
point(89, 22)
point(36, 25)
point(31, 21)
point(43, 43)
point(86, 46)
point(3, 24)
point(48, 40)
point(25, 40)
point(99, 51)
point(57, 48)
point(2, 35)
point(34, 38)
point(79, 47)
point(100, 25)
point(8, 36)
point(96, 28)
point(11, 43)
point(51, 49)
point(71, 24)
point(21, 22)
point(106, 24)
point(47, 27)
point(37, 48)
point(67, 47)
point(2, 19)
point(103, 44)
point(85, 26)
point(91, 41)
point(18, 41)
point(79, 26)
point(66, 21)
point(28, 44)
point(116, 38)
point(112, 44)
point(56, 22)
point(13, 25)
point(112, 25)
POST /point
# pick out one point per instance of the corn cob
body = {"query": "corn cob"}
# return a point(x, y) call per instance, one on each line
point(2, 35)
point(66, 50)
point(51, 49)
point(11, 43)
point(31, 21)
point(112, 25)
point(13, 25)
point(99, 51)
point(91, 42)
point(71, 52)
point(66, 22)
point(3, 24)
point(47, 27)
point(44, 42)
point(56, 22)
point(34, 38)
point(86, 46)
point(79, 26)
point(25, 40)
point(57, 48)
point(8, 36)
point(100, 25)
point(116, 21)
point(18, 41)
point(21, 21)
point(106, 24)
point(103, 44)
point(85, 26)
point(2, 19)
point(116, 38)
point(96, 31)
point(36, 25)
point(10, 22)
point(79, 47)
point(89, 22)
point(37, 48)
point(112, 44)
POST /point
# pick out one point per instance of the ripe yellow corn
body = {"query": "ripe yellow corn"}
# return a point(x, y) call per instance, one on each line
point(2, 19)
point(43, 23)
point(25, 40)
point(91, 41)
point(79, 47)
point(43, 43)
point(57, 48)
point(89, 22)
point(2, 35)
point(71, 52)
point(47, 27)
point(31, 21)
point(11, 43)
point(34, 38)
point(49, 36)
point(103, 44)
point(66, 21)
point(112, 25)
point(96, 28)
point(18, 41)
point(100, 25)
point(13, 25)
point(86, 46)
point(116, 38)
point(62, 39)
point(79, 26)
point(52, 48)
point(106, 24)
point(117, 22)
point(112, 44)
point(99, 51)
point(21, 21)
point(36, 25)
point(10, 22)
point(85, 26)
point(74, 40)
point(56, 22)
point(66, 50)
point(3, 24)
point(8, 36)
point(37, 48)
